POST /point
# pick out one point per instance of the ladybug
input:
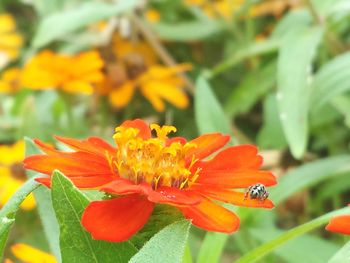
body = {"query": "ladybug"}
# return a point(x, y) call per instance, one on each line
point(257, 191)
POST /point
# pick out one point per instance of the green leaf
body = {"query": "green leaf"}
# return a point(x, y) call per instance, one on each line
point(263, 250)
point(62, 23)
point(254, 49)
point(5, 228)
point(331, 80)
point(187, 258)
point(69, 204)
point(8, 212)
point(254, 85)
point(342, 105)
point(210, 116)
point(335, 186)
point(43, 7)
point(44, 206)
point(291, 23)
point(212, 247)
point(293, 80)
point(296, 247)
point(167, 246)
point(341, 255)
point(308, 175)
point(187, 31)
point(271, 135)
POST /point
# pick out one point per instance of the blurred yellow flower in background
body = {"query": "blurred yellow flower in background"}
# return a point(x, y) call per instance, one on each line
point(28, 254)
point(12, 173)
point(136, 67)
point(70, 73)
point(9, 80)
point(218, 8)
point(152, 15)
point(10, 40)
point(227, 8)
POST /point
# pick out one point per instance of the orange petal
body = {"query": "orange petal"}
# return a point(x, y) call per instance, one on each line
point(236, 179)
point(44, 181)
point(172, 195)
point(207, 144)
point(92, 145)
point(165, 195)
point(120, 96)
point(153, 98)
point(180, 140)
point(78, 86)
point(118, 219)
point(123, 186)
point(142, 126)
point(340, 224)
point(210, 216)
point(235, 198)
point(156, 90)
point(70, 163)
point(235, 157)
point(45, 147)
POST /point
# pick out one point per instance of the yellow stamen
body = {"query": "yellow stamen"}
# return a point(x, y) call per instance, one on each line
point(153, 160)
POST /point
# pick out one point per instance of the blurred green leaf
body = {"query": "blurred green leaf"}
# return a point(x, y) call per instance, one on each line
point(187, 255)
point(271, 134)
point(44, 206)
point(331, 80)
point(251, 50)
point(75, 243)
point(44, 7)
point(59, 24)
point(8, 212)
point(296, 247)
point(253, 86)
point(167, 246)
point(291, 23)
point(331, 7)
point(335, 186)
point(212, 247)
point(293, 80)
point(210, 116)
point(342, 105)
point(342, 255)
point(5, 228)
point(266, 248)
point(187, 31)
point(308, 175)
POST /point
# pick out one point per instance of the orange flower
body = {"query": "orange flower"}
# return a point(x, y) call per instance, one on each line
point(71, 73)
point(136, 68)
point(10, 81)
point(144, 170)
point(10, 40)
point(340, 224)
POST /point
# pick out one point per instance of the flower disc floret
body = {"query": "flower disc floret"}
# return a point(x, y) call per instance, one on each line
point(153, 160)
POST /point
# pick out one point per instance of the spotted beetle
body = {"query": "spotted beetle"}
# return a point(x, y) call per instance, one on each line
point(257, 191)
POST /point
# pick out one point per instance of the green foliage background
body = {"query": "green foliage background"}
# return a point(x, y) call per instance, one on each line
point(288, 94)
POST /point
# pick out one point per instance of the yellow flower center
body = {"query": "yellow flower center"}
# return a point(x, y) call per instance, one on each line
point(153, 160)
